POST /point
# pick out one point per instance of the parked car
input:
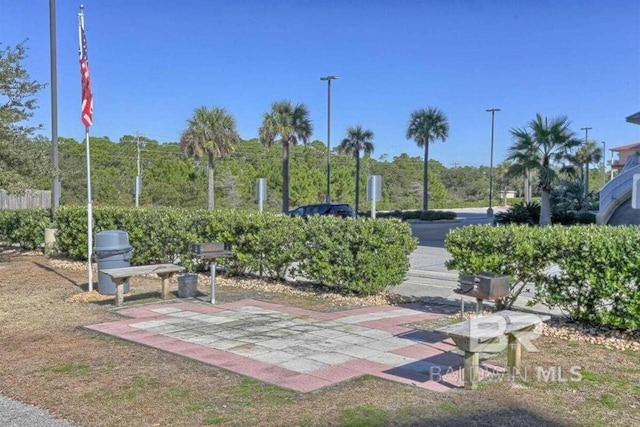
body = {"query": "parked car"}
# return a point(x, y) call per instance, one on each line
point(338, 210)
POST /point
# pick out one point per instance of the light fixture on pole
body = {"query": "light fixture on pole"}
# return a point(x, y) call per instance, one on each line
point(328, 80)
point(490, 210)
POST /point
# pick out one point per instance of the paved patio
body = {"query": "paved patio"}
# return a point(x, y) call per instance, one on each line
point(299, 349)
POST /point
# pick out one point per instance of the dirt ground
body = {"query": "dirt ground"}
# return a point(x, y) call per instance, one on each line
point(47, 359)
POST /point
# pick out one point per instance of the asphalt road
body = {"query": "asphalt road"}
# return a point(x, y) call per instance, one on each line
point(432, 234)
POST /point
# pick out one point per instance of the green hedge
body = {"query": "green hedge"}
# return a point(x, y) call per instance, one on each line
point(24, 227)
point(590, 271)
point(360, 256)
point(417, 214)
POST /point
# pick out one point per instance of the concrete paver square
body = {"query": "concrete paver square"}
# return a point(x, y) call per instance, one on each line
point(302, 365)
point(331, 358)
point(357, 351)
point(275, 356)
point(225, 344)
point(249, 350)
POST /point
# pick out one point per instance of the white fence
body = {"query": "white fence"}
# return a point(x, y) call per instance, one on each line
point(30, 199)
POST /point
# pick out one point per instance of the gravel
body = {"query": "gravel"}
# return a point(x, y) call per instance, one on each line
point(18, 414)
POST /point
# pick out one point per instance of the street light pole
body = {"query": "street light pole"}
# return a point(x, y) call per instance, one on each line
point(328, 80)
point(586, 166)
point(604, 164)
point(490, 210)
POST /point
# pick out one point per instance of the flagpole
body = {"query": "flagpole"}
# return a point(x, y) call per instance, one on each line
point(89, 213)
point(89, 202)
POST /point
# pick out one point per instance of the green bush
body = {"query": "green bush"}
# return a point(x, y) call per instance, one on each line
point(523, 213)
point(362, 256)
point(24, 227)
point(420, 215)
point(591, 272)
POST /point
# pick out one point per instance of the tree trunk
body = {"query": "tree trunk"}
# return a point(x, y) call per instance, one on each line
point(425, 178)
point(527, 186)
point(357, 182)
point(285, 177)
point(210, 189)
point(545, 209)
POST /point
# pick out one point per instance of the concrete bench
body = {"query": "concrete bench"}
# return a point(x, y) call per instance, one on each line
point(121, 275)
point(492, 334)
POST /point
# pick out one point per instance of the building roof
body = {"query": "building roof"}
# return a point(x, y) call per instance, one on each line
point(635, 145)
point(634, 118)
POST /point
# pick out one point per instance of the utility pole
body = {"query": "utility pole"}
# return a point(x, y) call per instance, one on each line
point(138, 176)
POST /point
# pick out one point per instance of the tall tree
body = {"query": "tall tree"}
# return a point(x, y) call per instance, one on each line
point(211, 132)
point(23, 158)
point(291, 124)
point(551, 141)
point(358, 139)
point(425, 126)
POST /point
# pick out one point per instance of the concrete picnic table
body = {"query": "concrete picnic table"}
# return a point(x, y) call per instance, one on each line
point(121, 275)
point(486, 334)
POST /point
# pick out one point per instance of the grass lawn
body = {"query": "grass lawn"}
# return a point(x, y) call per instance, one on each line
point(47, 359)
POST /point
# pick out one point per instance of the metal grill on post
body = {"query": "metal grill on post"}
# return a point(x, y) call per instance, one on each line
point(483, 286)
point(212, 251)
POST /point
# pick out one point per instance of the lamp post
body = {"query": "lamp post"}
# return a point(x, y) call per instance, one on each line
point(604, 164)
point(490, 210)
point(586, 166)
point(328, 80)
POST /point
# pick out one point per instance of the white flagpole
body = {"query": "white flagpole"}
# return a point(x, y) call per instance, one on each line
point(89, 214)
point(89, 205)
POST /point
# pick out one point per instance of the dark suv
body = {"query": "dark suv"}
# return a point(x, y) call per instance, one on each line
point(338, 210)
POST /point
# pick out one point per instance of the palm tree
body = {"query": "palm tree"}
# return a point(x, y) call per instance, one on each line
point(358, 139)
point(291, 124)
point(522, 165)
point(550, 142)
point(426, 126)
point(588, 153)
point(211, 132)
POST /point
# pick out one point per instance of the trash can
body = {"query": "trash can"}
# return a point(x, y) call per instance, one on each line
point(112, 250)
point(187, 285)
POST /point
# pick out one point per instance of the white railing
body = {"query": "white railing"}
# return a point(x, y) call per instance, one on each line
point(615, 192)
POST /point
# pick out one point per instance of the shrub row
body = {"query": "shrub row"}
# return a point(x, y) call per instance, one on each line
point(24, 228)
point(589, 271)
point(529, 214)
point(360, 256)
point(424, 216)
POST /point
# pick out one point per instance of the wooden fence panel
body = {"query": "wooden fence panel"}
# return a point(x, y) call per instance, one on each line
point(30, 199)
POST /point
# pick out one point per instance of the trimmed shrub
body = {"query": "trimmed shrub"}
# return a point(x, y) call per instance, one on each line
point(419, 215)
point(591, 272)
point(24, 227)
point(361, 256)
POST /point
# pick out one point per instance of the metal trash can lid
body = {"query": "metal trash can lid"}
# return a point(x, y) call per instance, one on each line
point(112, 240)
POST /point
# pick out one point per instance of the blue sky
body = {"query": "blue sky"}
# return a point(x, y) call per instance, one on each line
point(153, 62)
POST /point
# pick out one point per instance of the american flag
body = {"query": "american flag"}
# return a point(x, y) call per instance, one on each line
point(87, 97)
